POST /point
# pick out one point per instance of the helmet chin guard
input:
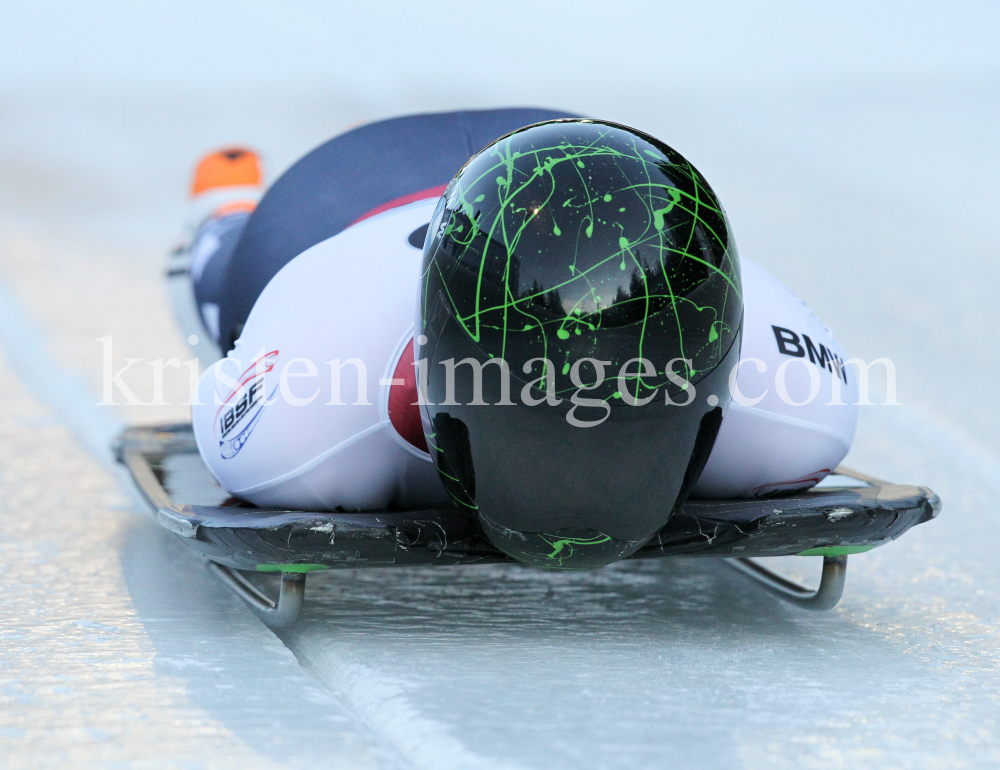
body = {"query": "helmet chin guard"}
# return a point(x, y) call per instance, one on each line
point(579, 314)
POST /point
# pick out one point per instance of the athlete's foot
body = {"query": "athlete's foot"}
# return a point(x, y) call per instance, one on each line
point(226, 181)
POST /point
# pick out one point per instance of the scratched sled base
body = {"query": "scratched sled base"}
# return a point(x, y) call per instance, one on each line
point(850, 513)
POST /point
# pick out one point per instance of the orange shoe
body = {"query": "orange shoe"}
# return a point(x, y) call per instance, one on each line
point(226, 181)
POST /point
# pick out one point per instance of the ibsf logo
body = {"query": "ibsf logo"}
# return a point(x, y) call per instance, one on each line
point(240, 412)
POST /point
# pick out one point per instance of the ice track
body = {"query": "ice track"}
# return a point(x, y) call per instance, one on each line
point(119, 649)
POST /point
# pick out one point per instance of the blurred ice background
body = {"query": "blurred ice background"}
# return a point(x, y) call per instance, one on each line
point(853, 143)
point(855, 146)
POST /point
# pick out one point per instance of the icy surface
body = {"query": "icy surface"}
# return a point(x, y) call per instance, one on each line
point(118, 649)
point(873, 200)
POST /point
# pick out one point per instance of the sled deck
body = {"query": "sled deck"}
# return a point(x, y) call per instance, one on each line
point(848, 513)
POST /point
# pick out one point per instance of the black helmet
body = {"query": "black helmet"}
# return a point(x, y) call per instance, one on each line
point(580, 311)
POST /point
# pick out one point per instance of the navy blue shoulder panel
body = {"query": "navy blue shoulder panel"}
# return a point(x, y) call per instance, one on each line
point(344, 179)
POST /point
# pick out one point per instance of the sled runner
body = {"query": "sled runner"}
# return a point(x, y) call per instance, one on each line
point(849, 513)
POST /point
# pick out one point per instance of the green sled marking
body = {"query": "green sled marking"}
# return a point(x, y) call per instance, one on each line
point(836, 550)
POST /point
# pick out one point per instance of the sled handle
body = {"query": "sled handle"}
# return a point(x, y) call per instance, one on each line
point(825, 597)
point(149, 485)
point(275, 614)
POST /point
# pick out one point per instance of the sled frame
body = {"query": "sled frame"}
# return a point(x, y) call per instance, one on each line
point(138, 451)
point(276, 613)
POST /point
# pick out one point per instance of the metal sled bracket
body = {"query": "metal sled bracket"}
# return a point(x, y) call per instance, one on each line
point(275, 614)
point(825, 597)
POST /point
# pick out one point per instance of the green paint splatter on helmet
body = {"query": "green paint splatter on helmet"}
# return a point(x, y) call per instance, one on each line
point(642, 240)
point(562, 242)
